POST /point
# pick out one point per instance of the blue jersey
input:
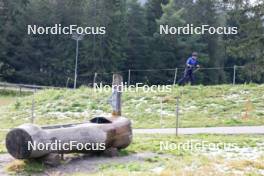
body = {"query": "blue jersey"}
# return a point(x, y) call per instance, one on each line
point(191, 61)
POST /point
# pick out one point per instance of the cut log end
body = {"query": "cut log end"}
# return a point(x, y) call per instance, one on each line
point(17, 143)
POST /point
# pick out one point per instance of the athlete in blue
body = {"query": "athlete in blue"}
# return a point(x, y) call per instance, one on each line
point(191, 64)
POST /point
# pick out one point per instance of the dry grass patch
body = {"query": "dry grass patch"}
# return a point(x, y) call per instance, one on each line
point(24, 166)
point(242, 164)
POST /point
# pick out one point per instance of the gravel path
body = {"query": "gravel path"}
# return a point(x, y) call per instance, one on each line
point(4, 160)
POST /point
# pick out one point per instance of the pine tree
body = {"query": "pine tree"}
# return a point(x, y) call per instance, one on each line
point(246, 48)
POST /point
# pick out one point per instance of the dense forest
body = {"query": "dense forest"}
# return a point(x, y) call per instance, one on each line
point(132, 41)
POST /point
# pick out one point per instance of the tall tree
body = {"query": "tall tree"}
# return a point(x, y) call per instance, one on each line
point(208, 12)
point(246, 48)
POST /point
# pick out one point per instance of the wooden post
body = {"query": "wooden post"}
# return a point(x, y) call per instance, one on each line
point(177, 115)
point(234, 75)
point(20, 90)
point(129, 75)
point(161, 113)
point(175, 76)
point(116, 94)
point(33, 109)
point(67, 82)
point(94, 80)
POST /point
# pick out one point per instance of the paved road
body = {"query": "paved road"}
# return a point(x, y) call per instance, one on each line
point(205, 130)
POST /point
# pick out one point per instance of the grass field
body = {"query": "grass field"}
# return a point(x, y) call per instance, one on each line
point(246, 158)
point(7, 97)
point(200, 106)
point(206, 161)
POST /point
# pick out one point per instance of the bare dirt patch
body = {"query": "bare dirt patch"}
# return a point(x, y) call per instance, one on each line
point(79, 163)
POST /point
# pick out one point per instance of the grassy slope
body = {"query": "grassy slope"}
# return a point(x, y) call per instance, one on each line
point(200, 106)
point(223, 105)
point(7, 97)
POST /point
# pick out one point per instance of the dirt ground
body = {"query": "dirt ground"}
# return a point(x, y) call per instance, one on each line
point(79, 164)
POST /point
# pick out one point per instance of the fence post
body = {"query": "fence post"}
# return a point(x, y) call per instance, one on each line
point(94, 80)
point(161, 113)
point(128, 80)
point(175, 76)
point(33, 109)
point(67, 82)
point(177, 115)
point(116, 94)
point(234, 75)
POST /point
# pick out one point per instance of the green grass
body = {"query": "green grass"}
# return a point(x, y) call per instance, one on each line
point(2, 144)
point(200, 106)
point(9, 96)
point(174, 160)
point(13, 93)
point(177, 160)
point(143, 143)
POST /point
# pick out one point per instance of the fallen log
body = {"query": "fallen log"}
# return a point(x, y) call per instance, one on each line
point(101, 133)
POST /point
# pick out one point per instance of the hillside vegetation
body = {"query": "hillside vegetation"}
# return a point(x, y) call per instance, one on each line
point(224, 105)
point(200, 106)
